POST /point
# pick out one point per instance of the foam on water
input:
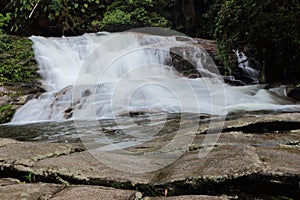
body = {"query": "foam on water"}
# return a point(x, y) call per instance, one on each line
point(97, 76)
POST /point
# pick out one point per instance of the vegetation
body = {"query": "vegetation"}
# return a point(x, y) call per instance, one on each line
point(17, 60)
point(17, 66)
point(266, 30)
point(53, 17)
point(30, 178)
point(133, 14)
point(6, 113)
point(4, 19)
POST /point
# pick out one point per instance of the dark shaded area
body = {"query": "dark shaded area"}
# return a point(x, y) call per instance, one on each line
point(266, 127)
point(260, 185)
point(266, 30)
point(253, 186)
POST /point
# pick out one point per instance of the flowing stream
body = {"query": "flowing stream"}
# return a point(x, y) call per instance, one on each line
point(111, 77)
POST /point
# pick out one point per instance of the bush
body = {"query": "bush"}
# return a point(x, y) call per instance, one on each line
point(74, 17)
point(17, 60)
point(4, 20)
point(54, 17)
point(266, 30)
point(126, 14)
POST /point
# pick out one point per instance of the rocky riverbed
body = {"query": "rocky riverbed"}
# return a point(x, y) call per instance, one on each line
point(255, 157)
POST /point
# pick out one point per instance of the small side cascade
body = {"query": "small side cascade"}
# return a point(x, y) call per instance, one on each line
point(248, 74)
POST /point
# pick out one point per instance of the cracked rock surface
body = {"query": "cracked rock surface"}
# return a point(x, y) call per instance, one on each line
point(242, 163)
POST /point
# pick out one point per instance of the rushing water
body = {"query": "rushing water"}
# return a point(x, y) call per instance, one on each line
point(113, 77)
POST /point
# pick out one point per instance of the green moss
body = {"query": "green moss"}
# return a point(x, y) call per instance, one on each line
point(6, 113)
point(5, 107)
point(17, 60)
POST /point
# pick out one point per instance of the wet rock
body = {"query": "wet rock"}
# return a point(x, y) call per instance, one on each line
point(189, 61)
point(16, 95)
point(210, 46)
point(23, 88)
point(207, 58)
point(68, 112)
point(294, 93)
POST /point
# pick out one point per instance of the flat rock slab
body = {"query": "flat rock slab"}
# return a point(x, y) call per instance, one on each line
point(17, 190)
point(237, 161)
point(28, 191)
point(14, 189)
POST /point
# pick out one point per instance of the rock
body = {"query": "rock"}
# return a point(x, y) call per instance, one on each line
point(13, 189)
point(27, 154)
point(95, 192)
point(68, 112)
point(189, 61)
point(242, 162)
point(28, 191)
point(294, 93)
point(207, 58)
point(8, 181)
point(16, 95)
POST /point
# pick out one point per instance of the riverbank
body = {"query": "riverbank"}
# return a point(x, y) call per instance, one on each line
point(19, 80)
point(255, 157)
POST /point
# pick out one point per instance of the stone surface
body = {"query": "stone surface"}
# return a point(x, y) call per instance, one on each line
point(13, 189)
point(241, 161)
point(95, 193)
point(16, 95)
point(8, 181)
point(27, 154)
point(28, 191)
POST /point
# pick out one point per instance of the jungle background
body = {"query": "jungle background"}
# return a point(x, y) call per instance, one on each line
point(265, 30)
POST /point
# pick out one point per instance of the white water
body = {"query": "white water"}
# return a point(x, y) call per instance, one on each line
point(243, 63)
point(107, 76)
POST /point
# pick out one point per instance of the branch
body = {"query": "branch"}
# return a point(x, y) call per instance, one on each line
point(33, 9)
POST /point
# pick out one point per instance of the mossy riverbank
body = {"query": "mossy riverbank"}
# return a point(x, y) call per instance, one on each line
point(19, 79)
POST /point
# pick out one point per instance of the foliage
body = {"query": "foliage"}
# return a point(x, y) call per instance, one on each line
point(6, 113)
point(54, 16)
point(17, 60)
point(5, 107)
point(30, 177)
point(74, 17)
point(4, 19)
point(266, 30)
point(133, 13)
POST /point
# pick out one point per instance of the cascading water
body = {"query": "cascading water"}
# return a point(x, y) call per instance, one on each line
point(106, 76)
point(248, 72)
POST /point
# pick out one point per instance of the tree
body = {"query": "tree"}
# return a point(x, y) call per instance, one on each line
point(266, 30)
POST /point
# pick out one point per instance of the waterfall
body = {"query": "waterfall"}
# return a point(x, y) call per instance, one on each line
point(97, 76)
point(248, 72)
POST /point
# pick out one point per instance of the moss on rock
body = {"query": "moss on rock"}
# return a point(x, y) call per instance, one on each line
point(17, 68)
